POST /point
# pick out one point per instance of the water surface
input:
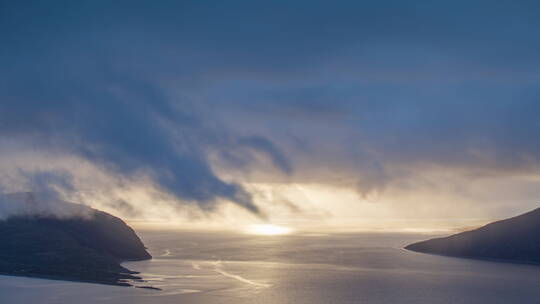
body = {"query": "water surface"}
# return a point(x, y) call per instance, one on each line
point(211, 267)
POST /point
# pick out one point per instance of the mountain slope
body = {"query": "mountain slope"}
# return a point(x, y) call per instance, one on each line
point(82, 248)
point(515, 239)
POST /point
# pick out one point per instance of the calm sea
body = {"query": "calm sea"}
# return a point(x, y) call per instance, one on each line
point(204, 267)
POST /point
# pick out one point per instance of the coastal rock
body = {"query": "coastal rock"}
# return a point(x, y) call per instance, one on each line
point(85, 246)
point(515, 239)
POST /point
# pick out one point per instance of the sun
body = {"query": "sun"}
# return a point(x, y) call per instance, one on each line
point(267, 229)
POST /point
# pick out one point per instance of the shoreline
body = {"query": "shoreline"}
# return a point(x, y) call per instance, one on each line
point(57, 278)
point(130, 276)
point(476, 258)
point(61, 279)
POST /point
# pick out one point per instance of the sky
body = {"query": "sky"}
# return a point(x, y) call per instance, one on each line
point(273, 110)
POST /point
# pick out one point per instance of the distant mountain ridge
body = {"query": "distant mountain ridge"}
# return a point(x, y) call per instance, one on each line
point(85, 247)
point(516, 239)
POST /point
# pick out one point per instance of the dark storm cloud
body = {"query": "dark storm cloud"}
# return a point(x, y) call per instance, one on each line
point(153, 85)
point(126, 127)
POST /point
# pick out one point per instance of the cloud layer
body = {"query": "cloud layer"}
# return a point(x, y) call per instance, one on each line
point(200, 97)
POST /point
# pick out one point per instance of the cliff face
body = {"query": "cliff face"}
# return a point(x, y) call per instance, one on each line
point(515, 239)
point(83, 248)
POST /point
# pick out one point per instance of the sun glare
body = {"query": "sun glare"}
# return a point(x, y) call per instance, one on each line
point(267, 229)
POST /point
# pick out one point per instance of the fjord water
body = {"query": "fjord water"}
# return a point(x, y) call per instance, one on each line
point(212, 267)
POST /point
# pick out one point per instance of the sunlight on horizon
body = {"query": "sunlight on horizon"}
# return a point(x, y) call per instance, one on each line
point(268, 229)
